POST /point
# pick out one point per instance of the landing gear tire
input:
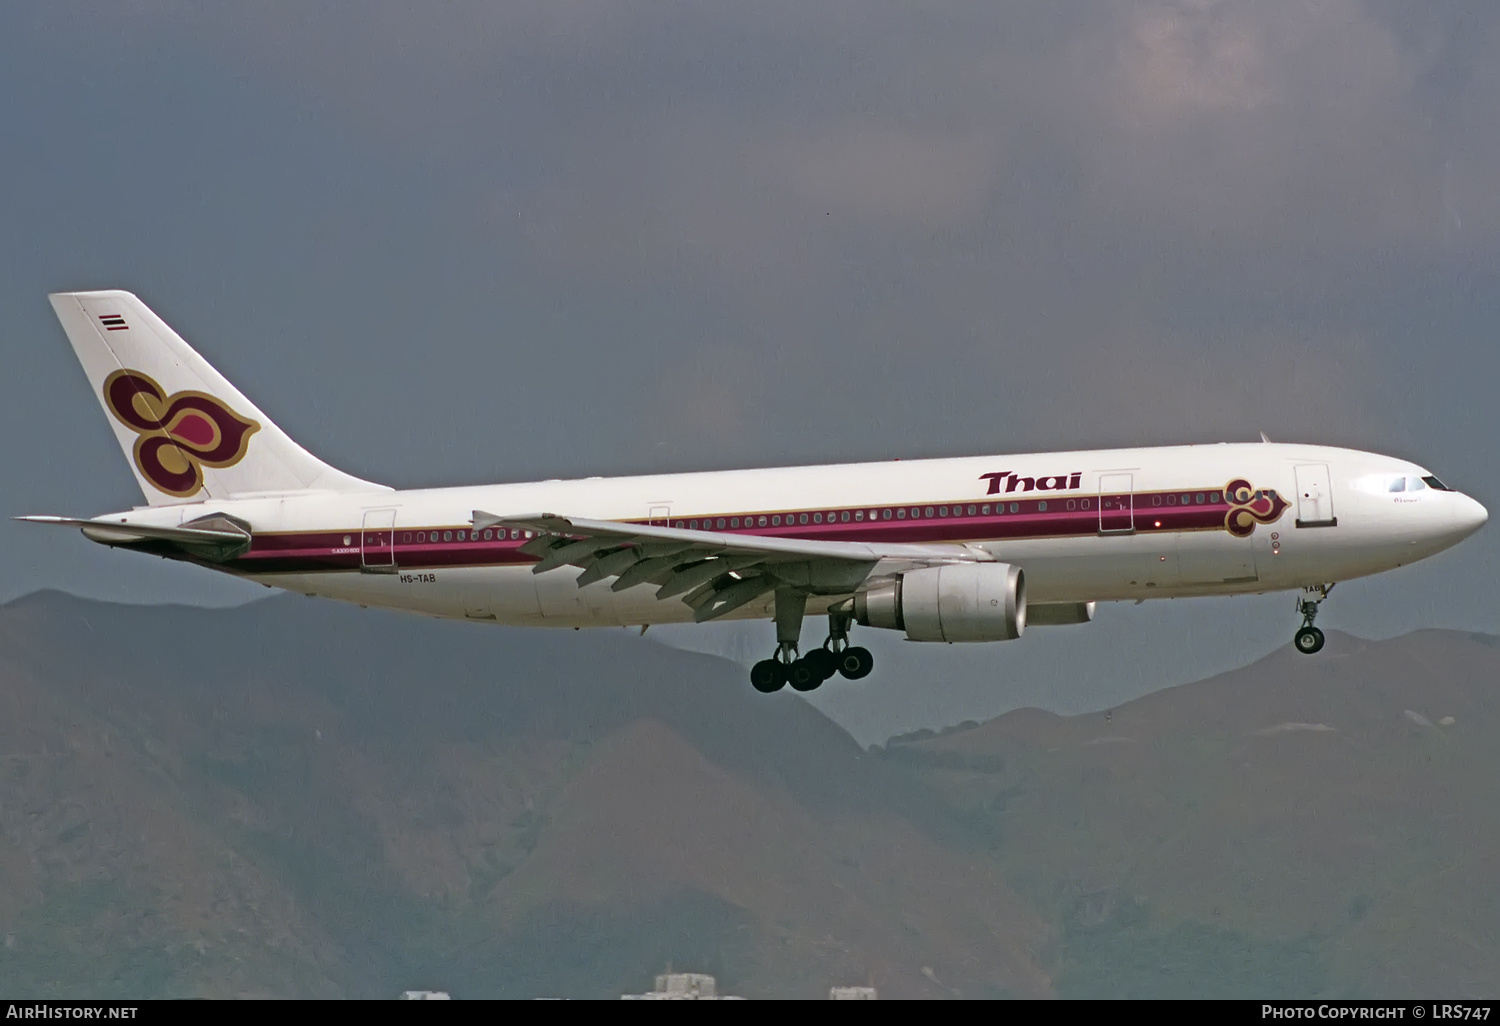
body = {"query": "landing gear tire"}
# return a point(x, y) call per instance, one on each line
point(1309, 640)
point(823, 663)
point(768, 676)
point(855, 662)
point(807, 673)
point(804, 676)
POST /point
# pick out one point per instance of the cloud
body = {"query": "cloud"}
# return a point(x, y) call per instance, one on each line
point(1296, 124)
point(1178, 387)
point(884, 174)
point(1319, 126)
point(705, 411)
point(976, 206)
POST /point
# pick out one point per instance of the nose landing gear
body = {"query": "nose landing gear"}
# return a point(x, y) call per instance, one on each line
point(1309, 639)
point(808, 672)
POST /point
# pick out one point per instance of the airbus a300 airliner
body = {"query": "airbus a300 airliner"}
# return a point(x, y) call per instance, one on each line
point(945, 550)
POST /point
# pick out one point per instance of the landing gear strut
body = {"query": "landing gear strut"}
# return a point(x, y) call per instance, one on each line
point(810, 671)
point(1309, 639)
point(851, 661)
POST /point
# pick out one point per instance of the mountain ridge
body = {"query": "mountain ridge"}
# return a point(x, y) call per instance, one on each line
point(289, 799)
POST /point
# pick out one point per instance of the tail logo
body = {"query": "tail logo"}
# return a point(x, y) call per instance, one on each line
point(180, 434)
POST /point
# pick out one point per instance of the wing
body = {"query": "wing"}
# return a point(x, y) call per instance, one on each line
point(713, 572)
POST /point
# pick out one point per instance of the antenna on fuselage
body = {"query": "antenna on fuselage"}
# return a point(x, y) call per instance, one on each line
point(1263, 438)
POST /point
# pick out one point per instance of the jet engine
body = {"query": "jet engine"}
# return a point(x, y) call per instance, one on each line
point(956, 602)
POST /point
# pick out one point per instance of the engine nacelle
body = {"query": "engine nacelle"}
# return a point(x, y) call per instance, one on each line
point(957, 602)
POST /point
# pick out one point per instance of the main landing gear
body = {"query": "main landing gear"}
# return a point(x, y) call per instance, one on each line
point(810, 671)
point(1309, 639)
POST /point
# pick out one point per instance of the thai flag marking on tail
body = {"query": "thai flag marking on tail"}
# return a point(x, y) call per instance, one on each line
point(113, 322)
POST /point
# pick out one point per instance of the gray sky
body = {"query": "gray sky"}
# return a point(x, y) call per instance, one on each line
point(455, 243)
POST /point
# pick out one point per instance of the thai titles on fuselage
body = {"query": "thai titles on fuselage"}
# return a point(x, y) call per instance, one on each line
point(1005, 481)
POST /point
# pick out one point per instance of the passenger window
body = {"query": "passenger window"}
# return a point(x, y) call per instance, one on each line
point(1041, 507)
point(693, 524)
point(1015, 507)
point(734, 521)
point(901, 514)
point(762, 521)
point(844, 516)
point(942, 511)
point(971, 511)
point(447, 536)
point(802, 519)
point(1085, 504)
point(1070, 503)
point(859, 514)
point(1187, 500)
point(1171, 500)
point(985, 509)
point(1199, 499)
point(885, 515)
point(776, 521)
point(1156, 500)
point(421, 536)
point(818, 518)
point(1213, 497)
point(929, 512)
point(721, 523)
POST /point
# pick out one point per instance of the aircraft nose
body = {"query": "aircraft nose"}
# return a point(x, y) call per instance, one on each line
point(1470, 514)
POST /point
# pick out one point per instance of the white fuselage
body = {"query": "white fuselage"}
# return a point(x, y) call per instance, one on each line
point(1084, 526)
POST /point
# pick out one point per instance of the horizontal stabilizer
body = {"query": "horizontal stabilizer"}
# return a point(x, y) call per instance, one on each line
point(216, 536)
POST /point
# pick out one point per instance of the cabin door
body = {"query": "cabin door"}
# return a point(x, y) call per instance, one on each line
point(1116, 503)
point(377, 542)
point(1315, 496)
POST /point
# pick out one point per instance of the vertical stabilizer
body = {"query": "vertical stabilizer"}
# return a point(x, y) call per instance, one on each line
point(188, 433)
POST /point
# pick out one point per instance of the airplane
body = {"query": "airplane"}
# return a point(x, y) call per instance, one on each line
point(969, 549)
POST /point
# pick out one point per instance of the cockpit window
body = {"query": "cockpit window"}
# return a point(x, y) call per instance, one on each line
point(1398, 484)
point(1435, 483)
point(1417, 484)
